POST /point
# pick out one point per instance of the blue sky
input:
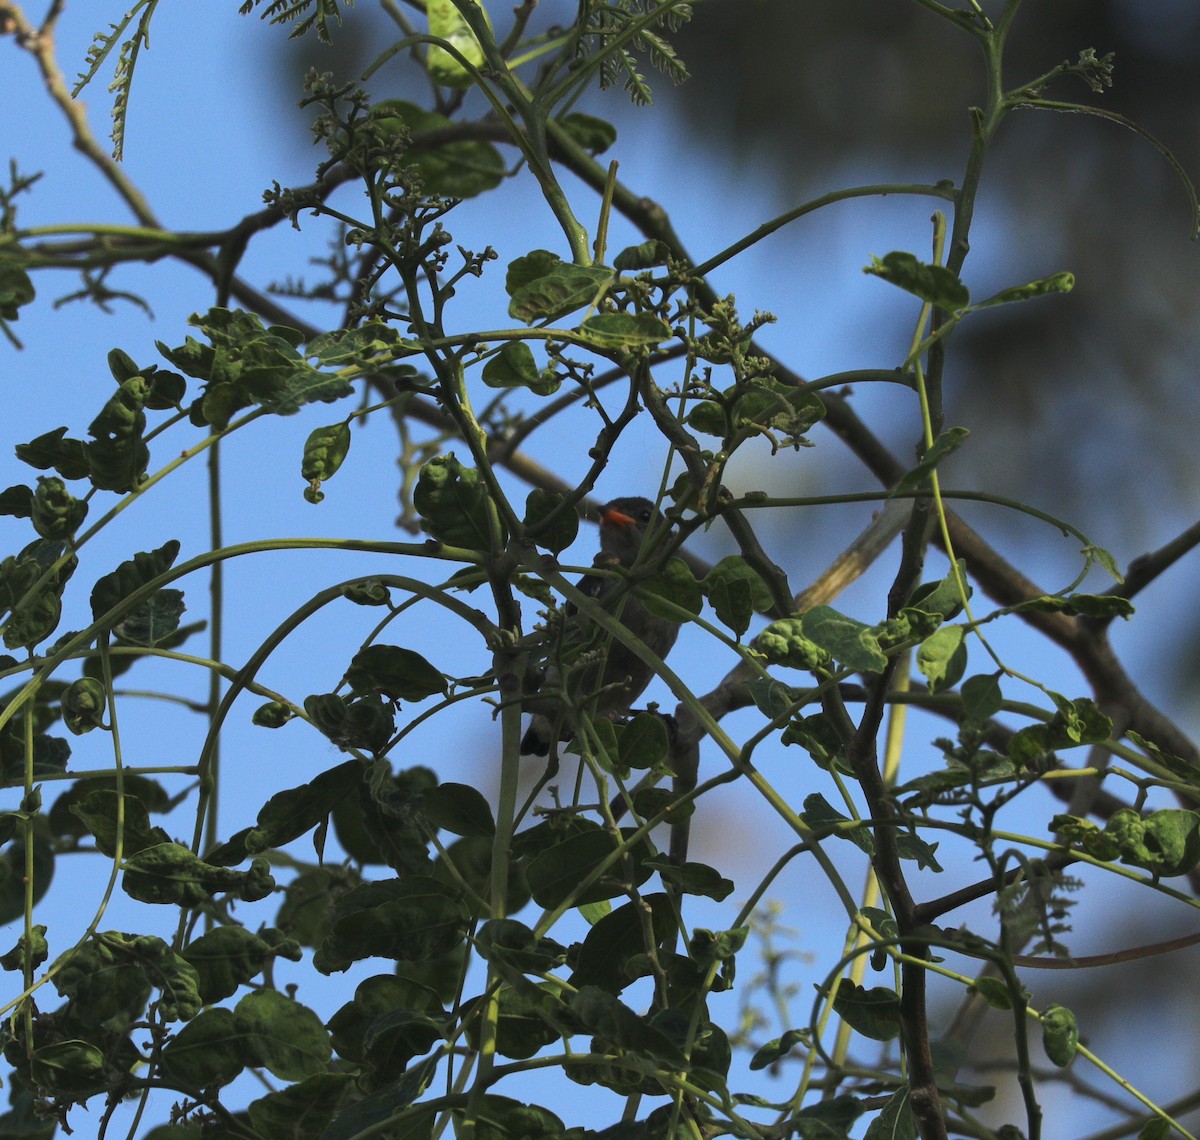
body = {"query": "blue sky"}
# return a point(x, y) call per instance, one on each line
point(202, 144)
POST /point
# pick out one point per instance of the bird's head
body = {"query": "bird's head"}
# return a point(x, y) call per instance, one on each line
point(623, 524)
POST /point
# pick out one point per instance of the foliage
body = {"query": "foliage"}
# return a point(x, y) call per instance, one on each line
point(563, 926)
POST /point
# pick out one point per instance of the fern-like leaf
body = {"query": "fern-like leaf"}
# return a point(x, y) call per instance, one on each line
point(304, 14)
point(127, 57)
point(619, 31)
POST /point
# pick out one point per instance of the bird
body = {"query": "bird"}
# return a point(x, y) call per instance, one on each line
point(618, 676)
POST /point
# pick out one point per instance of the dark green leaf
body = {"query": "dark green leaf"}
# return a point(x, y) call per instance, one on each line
point(933, 283)
point(154, 621)
point(53, 450)
point(645, 256)
point(458, 808)
point(676, 584)
point(556, 873)
point(56, 513)
point(111, 590)
point(982, 697)
point(874, 1013)
point(643, 743)
point(949, 441)
point(896, 1121)
point(83, 705)
point(514, 367)
point(412, 919)
point(301, 1110)
point(454, 503)
point(281, 1035)
point(400, 674)
point(942, 657)
point(555, 537)
point(825, 819)
point(784, 642)
point(1098, 606)
point(594, 135)
point(779, 1048)
point(1055, 283)
point(618, 938)
point(736, 592)
point(623, 332)
point(849, 642)
point(206, 1053)
point(544, 287)
point(324, 451)
point(15, 289)
point(1060, 1034)
point(227, 957)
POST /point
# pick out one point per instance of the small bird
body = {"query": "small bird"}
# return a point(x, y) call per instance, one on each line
point(619, 676)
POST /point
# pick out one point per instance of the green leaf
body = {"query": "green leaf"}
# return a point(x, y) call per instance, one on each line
point(1060, 1034)
point(447, 23)
point(942, 658)
point(982, 697)
point(169, 874)
point(324, 452)
point(293, 812)
point(944, 598)
point(825, 819)
point(623, 332)
point(643, 743)
point(932, 283)
point(693, 878)
point(594, 135)
point(994, 991)
point(555, 874)
point(676, 584)
point(1098, 606)
point(949, 441)
point(154, 621)
point(453, 503)
point(112, 589)
point(117, 454)
point(648, 255)
point(111, 976)
point(411, 920)
point(544, 287)
point(609, 1019)
point(514, 367)
point(778, 1048)
point(462, 168)
point(15, 289)
point(565, 528)
point(399, 674)
point(53, 450)
point(96, 809)
point(228, 957)
point(281, 1035)
point(303, 1109)
point(458, 808)
point(1055, 283)
point(784, 642)
point(849, 642)
point(248, 363)
point(896, 1121)
point(1165, 842)
point(73, 1069)
point(736, 592)
point(619, 937)
point(55, 512)
point(83, 705)
point(874, 1013)
point(206, 1053)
